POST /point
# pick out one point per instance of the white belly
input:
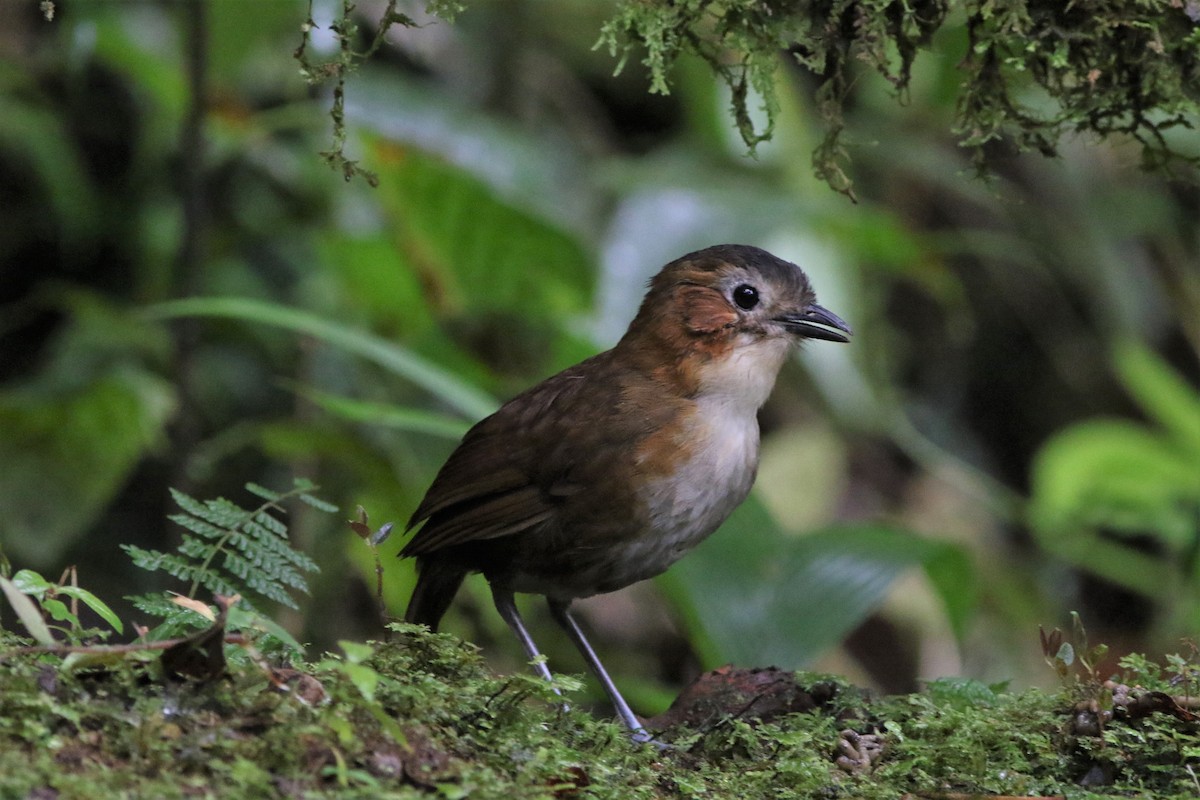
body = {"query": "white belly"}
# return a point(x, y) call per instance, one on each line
point(685, 508)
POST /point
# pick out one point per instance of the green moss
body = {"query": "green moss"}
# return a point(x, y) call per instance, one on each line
point(1035, 70)
point(421, 716)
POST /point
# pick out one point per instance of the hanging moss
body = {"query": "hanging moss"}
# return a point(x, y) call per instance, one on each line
point(1106, 66)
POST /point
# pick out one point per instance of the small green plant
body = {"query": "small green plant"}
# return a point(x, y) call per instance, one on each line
point(1075, 660)
point(232, 551)
point(50, 611)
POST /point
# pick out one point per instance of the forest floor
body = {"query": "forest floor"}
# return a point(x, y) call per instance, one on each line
point(421, 716)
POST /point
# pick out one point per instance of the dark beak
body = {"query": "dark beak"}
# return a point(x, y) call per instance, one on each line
point(817, 323)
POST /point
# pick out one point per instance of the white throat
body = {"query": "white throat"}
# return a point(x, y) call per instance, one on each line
point(743, 380)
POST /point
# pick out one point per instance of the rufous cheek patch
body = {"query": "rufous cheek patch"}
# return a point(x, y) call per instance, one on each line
point(705, 310)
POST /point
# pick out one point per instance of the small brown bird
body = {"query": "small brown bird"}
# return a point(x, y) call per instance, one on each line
point(608, 472)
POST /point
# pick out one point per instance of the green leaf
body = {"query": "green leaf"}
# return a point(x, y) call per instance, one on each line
point(59, 612)
point(80, 444)
point(31, 583)
point(241, 35)
point(388, 416)
point(363, 677)
point(1118, 477)
point(262, 491)
point(468, 400)
point(242, 616)
point(317, 503)
point(1162, 393)
point(356, 652)
point(762, 597)
point(94, 603)
point(964, 693)
point(479, 251)
point(28, 613)
point(377, 281)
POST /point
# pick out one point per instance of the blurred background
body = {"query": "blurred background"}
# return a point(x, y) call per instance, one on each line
point(1013, 434)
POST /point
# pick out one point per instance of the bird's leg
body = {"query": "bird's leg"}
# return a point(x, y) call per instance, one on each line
point(562, 615)
point(508, 612)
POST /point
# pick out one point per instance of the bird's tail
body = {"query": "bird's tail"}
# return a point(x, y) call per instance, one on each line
point(436, 586)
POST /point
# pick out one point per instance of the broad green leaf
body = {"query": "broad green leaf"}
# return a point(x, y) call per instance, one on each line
point(473, 250)
point(468, 400)
point(1121, 477)
point(28, 613)
point(762, 597)
point(547, 177)
point(378, 281)
point(31, 583)
point(66, 454)
point(1163, 393)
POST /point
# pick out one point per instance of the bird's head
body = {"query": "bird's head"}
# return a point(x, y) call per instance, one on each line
point(724, 318)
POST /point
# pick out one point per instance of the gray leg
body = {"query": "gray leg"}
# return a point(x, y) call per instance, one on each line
point(508, 611)
point(562, 615)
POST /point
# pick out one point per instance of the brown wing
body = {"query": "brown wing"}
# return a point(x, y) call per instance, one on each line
point(514, 470)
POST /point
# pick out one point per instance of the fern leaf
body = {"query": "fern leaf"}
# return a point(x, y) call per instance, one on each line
point(187, 503)
point(303, 485)
point(284, 551)
point(317, 503)
point(257, 580)
point(154, 561)
point(275, 540)
point(271, 524)
point(263, 492)
point(215, 583)
point(196, 548)
point(197, 525)
point(224, 513)
point(230, 550)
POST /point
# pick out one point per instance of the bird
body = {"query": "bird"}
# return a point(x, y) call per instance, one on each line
point(608, 472)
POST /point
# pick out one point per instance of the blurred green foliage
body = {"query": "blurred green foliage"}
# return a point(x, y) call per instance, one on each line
point(78, 425)
point(1122, 499)
point(349, 334)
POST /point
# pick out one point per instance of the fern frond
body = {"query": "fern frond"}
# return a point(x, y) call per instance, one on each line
point(255, 553)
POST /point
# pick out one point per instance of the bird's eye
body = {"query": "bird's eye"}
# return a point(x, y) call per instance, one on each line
point(746, 296)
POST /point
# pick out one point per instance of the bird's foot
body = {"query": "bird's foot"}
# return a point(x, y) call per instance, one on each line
point(643, 736)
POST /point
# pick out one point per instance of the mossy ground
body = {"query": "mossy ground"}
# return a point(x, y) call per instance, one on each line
point(421, 716)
